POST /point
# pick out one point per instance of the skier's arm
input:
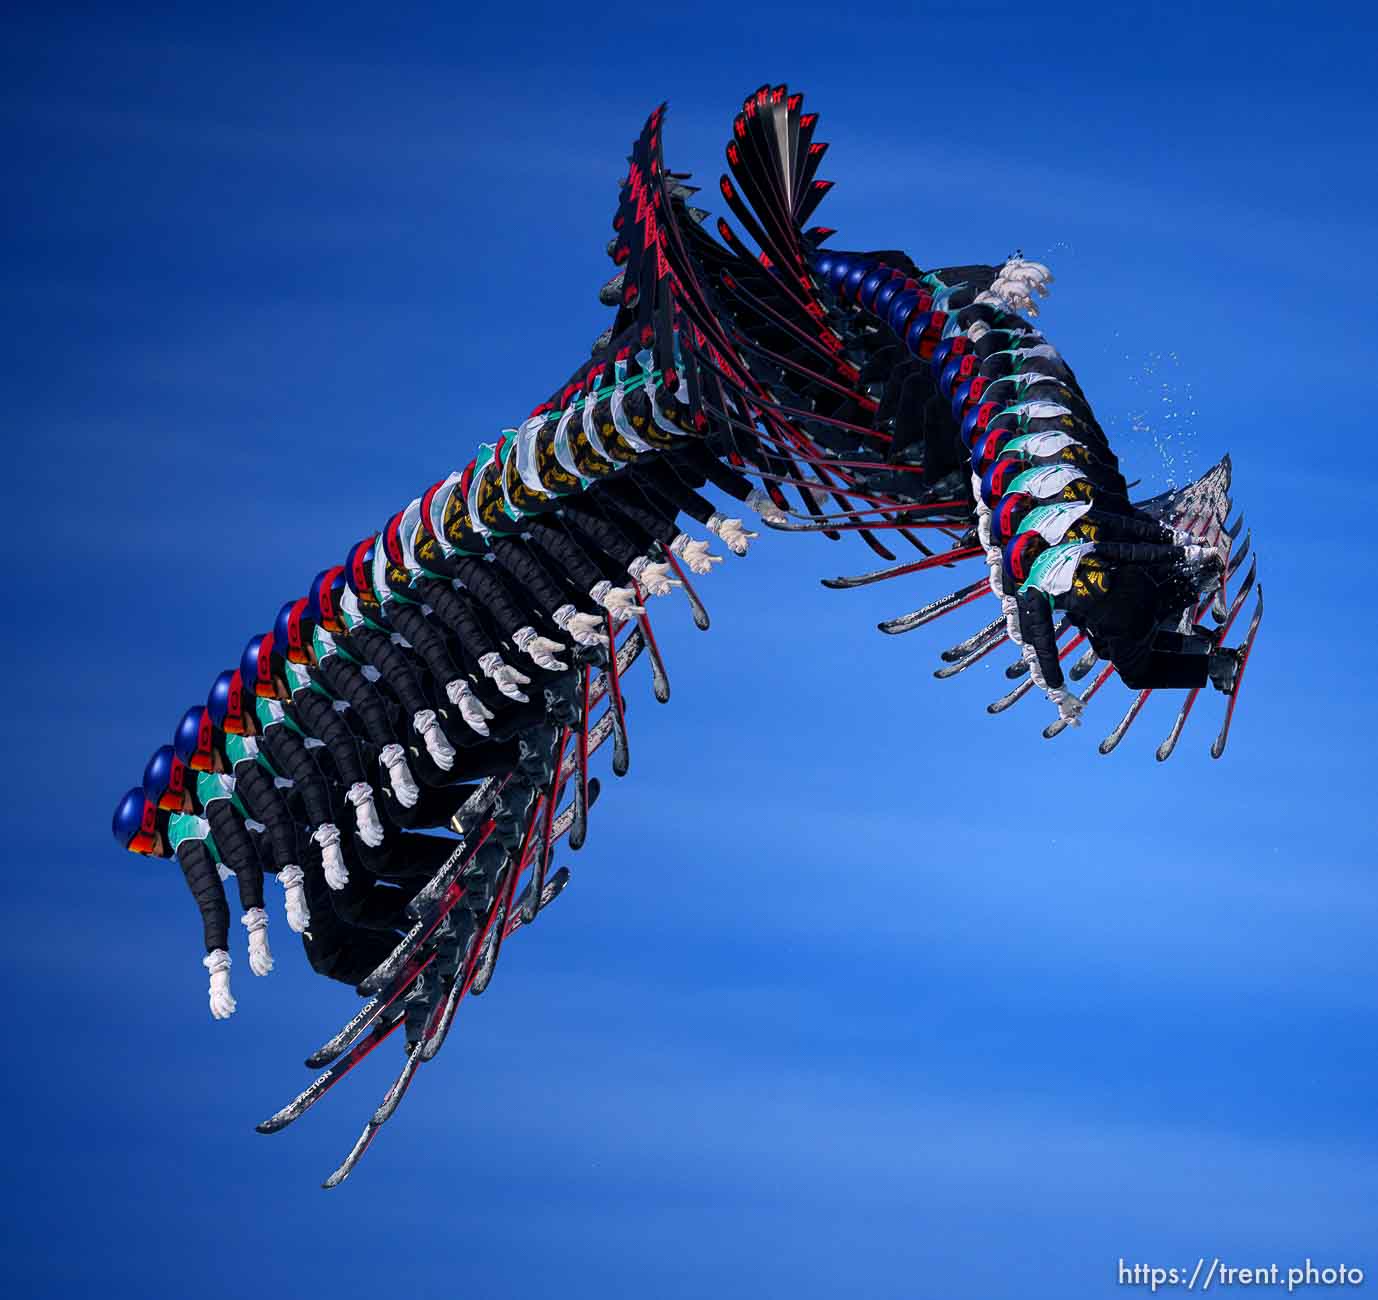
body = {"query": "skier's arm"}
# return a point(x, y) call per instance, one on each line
point(451, 607)
point(203, 879)
point(1036, 632)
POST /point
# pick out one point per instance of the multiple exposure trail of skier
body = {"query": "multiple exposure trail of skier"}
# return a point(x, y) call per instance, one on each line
point(408, 742)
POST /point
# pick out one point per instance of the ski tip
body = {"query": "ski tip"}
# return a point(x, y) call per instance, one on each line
point(1163, 752)
point(702, 621)
point(834, 584)
point(318, 1060)
point(273, 1124)
point(662, 692)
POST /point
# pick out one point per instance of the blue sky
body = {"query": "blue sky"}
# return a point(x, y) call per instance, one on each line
point(855, 990)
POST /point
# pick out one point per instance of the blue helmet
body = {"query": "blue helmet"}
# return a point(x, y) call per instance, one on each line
point(840, 269)
point(851, 282)
point(358, 569)
point(900, 308)
point(194, 739)
point(886, 294)
point(947, 376)
point(1020, 553)
point(877, 276)
point(292, 631)
point(976, 419)
point(914, 331)
point(225, 703)
point(165, 780)
point(256, 665)
point(945, 349)
point(323, 600)
point(1006, 514)
point(998, 477)
point(135, 824)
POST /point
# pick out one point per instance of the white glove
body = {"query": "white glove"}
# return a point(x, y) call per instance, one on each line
point(541, 649)
point(655, 578)
point(437, 743)
point(370, 829)
point(394, 758)
point(332, 860)
point(298, 914)
point(694, 554)
point(620, 602)
point(583, 629)
point(762, 504)
point(255, 921)
point(1068, 706)
point(472, 709)
point(506, 678)
point(222, 1003)
point(734, 536)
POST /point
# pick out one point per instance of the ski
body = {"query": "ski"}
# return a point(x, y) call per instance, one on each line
point(1057, 727)
point(1218, 746)
point(660, 680)
point(1164, 751)
point(542, 860)
point(621, 755)
point(696, 606)
point(1011, 697)
point(579, 831)
point(935, 609)
point(1083, 665)
point(304, 1100)
point(1020, 667)
point(434, 894)
point(1108, 744)
point(975, 657)
point(1026, 685)
point(941, 560)
point(964, 648)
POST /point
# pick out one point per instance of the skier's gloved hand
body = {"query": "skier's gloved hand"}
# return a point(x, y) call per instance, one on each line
point(255, 921)
point(1068, 706)
point(475, 713)
point(222, 1003)
point(437, 742)
point(332, 860)
point(360, 794)
point(394, 758)
point(734, 536)
point(620, 602)
point(655, 577)
point(761, 503)
point(506, 678)
point(298, 913)
point(583, 629)
point(694, 554)
point(541, 649)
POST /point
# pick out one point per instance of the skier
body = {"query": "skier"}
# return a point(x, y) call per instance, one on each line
point(141, 828)
point(1127, 597)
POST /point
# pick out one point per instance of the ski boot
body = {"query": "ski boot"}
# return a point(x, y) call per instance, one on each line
point(1223, 667)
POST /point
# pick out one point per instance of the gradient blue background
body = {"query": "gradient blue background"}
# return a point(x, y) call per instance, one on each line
point(856, 991)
